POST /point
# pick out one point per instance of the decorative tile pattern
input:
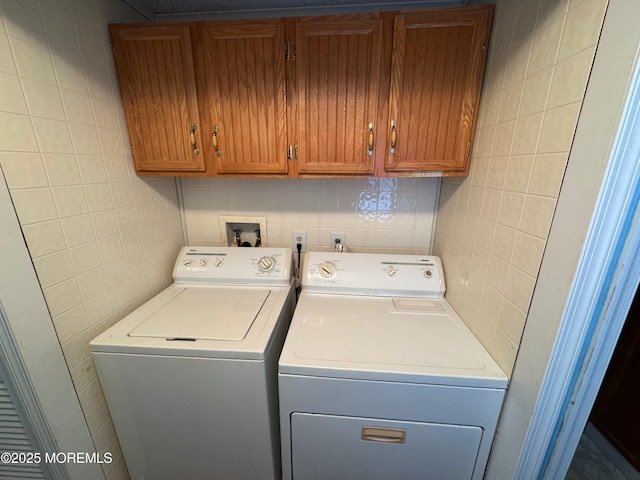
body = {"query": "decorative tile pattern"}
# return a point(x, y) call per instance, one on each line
point(539, 62)
point(395, 215)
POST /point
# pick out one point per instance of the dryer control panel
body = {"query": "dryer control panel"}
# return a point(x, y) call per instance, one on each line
point(233, 266)
point(374, 274)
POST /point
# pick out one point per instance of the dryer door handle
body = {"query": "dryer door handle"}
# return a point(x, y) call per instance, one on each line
point(383, 434)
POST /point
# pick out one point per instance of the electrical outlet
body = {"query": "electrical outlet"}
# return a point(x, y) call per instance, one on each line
point(298, 237)
point(338, 237)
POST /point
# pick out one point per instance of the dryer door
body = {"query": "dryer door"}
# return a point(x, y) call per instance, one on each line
point(344, 448)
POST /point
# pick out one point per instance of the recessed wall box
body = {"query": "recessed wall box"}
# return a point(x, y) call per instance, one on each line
point(245, 231)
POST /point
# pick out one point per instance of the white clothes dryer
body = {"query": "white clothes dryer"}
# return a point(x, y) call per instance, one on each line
point(190, 377)
point(379, 378)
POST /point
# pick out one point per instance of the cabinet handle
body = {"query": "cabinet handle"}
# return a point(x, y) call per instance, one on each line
point(192, 138)
point(289, 51)
point(370, 150)
point(394, 134)
point(214, 140)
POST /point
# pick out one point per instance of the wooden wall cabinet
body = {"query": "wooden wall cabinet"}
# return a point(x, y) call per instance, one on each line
point(336, 93)
point(158, 86)
point(242, 91)
point(437, 65)
point(389, 94)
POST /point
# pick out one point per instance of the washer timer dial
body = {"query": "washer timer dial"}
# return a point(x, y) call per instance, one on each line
point(266, 264)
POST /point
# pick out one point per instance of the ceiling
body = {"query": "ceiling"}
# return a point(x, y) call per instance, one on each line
point(204, 9)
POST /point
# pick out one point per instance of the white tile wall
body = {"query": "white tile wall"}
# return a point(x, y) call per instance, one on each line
point(492, 227)
point(103, 240)
point(73, 186)
point(377, 214)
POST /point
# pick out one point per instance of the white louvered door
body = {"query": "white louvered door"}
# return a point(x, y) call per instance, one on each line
point(15, 438)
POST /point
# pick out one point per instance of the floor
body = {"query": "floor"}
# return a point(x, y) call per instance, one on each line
point(589, 463)
point(597, 459)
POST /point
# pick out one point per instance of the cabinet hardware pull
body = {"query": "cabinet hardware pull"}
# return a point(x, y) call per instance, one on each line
point(289, 51)
point(370, 149)
point(295, 152)
point(192, 138)
point(214, 141)
point(394, 134)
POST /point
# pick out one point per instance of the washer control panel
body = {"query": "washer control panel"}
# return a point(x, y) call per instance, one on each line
point(374, 274)
point(233, 266)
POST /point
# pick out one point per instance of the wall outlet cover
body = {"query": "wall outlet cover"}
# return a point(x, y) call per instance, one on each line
point(298, 237)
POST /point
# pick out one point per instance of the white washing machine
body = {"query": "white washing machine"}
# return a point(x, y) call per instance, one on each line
point(190, 377)
point(379, 378)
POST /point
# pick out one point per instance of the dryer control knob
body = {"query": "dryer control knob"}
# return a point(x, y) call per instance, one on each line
point(187, 262)
point(428, 273)
point(217, 263)
point(392, 271)
point(266, 264)
point(327, 270)
point(203, 262)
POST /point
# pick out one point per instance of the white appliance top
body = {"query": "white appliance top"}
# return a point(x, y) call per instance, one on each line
point(388, 332)
point(233, 266)
point(208, 318)
point(373, 274)
point(212, 321)
point(205, 314)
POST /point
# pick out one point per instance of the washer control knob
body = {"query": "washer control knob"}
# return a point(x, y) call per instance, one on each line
point(187, 262)
point(327, 270)
point(203, 262)
point(266, 264)
point(428, 273)
point(217, 263)
point(392, 271)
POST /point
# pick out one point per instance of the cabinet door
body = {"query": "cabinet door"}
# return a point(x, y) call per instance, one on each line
point(436, 73)
point(242, 83)
point(157, 81)
point(337, 76)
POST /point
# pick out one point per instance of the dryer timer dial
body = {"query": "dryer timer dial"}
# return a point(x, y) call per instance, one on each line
point(327, 269)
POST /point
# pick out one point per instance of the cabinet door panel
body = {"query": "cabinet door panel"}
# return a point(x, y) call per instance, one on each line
point(157, 81)
point(436, 73)
point(243, 95)
point(337, 77)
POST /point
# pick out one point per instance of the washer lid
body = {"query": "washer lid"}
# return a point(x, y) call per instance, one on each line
point(204, 314)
